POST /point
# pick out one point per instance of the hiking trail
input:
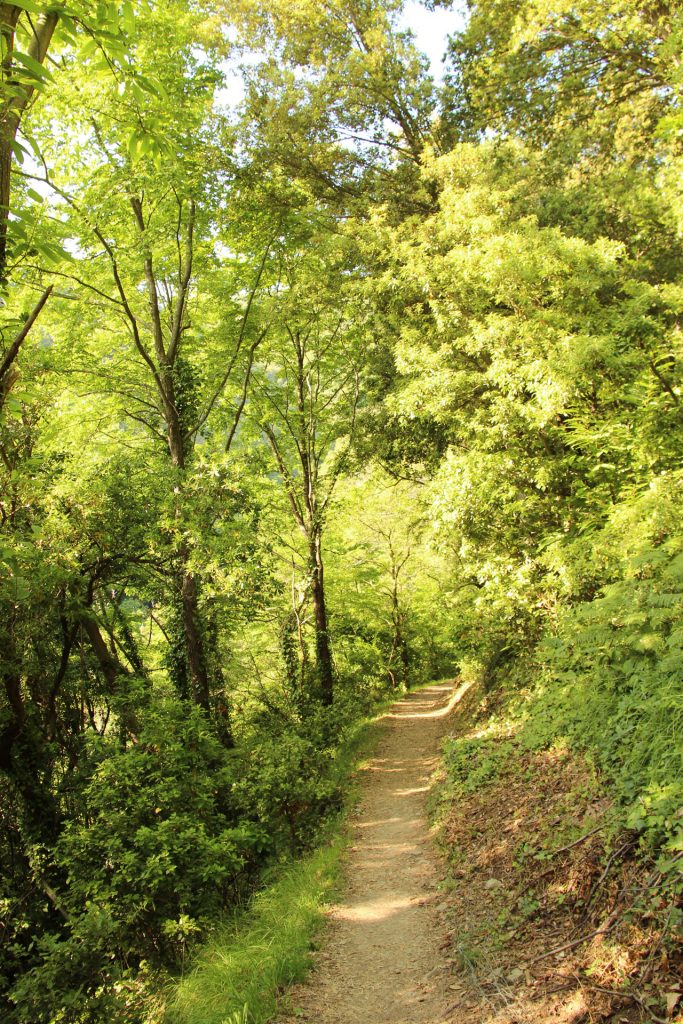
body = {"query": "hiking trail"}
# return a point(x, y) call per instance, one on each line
point(382, 959)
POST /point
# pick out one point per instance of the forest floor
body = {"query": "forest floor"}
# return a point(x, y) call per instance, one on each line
point(381, 960)
point(510, 910)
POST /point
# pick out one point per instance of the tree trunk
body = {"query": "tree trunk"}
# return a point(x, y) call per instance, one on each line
point(399, 646)
point(189, 588)
point(17, 719)
point(7, 134)
point(23, 759)
point(11, 110)
point(9, 15)
point(402, 649)
point(117, 677)
point(323, 649)
point(194, 640)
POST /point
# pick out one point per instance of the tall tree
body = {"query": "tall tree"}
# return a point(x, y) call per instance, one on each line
point(145, 220)
point(307, 394)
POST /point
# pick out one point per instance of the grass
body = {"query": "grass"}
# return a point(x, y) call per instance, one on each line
point(239, 975)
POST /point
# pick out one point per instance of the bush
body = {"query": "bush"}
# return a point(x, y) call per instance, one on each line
point(291, 781)
point(472, 762)
point(160, 840)
point(154, 855)
point(612, 684)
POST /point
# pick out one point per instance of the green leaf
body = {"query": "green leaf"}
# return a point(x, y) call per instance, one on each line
point(19, 151)
point(135, 145)
point(128, 17)
point(29, 5)
point(38, 70)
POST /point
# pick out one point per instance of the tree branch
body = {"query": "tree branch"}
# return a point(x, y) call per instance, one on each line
point(284, 472)
point(245, 390)
point(183, 287)
point(243, 326)
point(13, 350)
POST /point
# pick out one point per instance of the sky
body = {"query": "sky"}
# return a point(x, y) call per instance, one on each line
point(431, 30)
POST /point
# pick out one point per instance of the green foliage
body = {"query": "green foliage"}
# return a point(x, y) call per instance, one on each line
point(617, 659)
point(159, 838)
point(252, 958)
point(237, 976)
point(335, 387)
point(289, 787)
point(473, 762)
point(154, 853)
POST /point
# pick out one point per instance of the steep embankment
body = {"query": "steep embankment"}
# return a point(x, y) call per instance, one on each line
point(382, 960)
point(556, 910)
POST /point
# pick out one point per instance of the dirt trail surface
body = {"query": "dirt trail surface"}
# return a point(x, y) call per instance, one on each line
point(381, 961)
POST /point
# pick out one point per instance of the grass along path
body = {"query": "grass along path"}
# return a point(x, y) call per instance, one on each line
point(238, 976)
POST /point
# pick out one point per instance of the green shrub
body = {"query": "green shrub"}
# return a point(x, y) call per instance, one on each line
point(155, 853)
point(612, 683)
point(292, 778)
point(160, 839)
point(472, 762)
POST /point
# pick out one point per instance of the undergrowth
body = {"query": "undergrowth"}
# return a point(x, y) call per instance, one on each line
point(238, 976)
point(552, 880)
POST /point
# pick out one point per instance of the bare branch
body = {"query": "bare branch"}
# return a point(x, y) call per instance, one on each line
point(77, 280)
point(131, 317)
point(13, 350)
point(152, 291)
point(284, 472)
point(243, 326)
point(183, 287)
point(245, 390)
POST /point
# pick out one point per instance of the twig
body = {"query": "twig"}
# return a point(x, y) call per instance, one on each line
point(556, 853)
point(621, 995)
point(16, 344)
point(559, 988)
point(603, 876)
point(534, 881)
point(572, 945)
point(581, 839)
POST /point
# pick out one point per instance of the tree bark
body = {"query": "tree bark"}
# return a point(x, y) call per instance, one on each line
point(9, 16)
point(323, 649)
point(194, 641)
point(8, 372)
point(13, 108)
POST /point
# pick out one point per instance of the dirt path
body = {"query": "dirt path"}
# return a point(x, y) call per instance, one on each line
point(381, 962)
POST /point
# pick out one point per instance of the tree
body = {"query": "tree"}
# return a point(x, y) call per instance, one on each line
point(28, 33)
point(22, 74)
point(364, 79)
point(145, 222)
point(306, 395)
